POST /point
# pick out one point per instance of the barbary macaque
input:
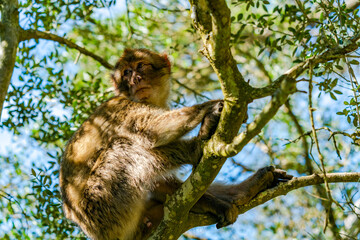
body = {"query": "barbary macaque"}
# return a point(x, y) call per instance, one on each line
point(117, 168)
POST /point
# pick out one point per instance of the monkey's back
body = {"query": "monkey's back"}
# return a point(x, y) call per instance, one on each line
point(107, 169)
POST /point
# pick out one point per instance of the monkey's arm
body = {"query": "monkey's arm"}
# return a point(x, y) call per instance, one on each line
point(172, 125)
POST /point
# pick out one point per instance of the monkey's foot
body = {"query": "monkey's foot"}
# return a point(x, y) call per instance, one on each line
point(229, 216)
point(278, 176)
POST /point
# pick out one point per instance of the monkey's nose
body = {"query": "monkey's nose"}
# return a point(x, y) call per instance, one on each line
point(135, 80)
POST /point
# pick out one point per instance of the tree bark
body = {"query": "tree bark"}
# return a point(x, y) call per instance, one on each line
point(8, 45)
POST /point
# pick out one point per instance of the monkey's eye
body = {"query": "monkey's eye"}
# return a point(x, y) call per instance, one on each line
point(140, 66)
point(127, 72)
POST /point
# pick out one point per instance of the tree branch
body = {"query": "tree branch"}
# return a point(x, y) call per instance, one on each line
point(294, 72)
point(212, 20)
point(8, 45)
point(287, 87)
point(203, 219)
point(35, 34)
point(352, 4)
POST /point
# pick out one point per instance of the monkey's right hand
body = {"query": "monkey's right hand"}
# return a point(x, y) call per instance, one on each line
point(217, 107)
point(211, 119)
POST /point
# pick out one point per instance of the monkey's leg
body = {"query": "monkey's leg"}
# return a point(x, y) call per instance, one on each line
point(225, 211)
point(243, 192)
point(220, 200)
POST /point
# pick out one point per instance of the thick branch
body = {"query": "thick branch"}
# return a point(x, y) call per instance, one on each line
point(196, 220)
point(35, 34)
point(212, 20)
point(8, 45)
point(352, 4)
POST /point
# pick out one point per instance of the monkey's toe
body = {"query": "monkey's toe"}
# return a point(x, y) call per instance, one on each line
point(280, 176)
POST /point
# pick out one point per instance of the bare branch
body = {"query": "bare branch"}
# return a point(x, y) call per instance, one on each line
point(35, 34)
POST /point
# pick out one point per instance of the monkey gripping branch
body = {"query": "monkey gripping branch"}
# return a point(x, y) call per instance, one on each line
point(211, 18)
point(212, 21)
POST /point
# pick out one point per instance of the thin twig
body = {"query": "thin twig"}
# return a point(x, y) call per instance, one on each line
point(320, 156)
point(131, 30)
point(301, 132)
point(190, 89)
point(166, 9)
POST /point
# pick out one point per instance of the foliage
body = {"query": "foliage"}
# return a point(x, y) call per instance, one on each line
point(55, 88)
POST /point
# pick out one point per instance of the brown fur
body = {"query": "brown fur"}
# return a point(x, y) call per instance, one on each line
point(114, 174)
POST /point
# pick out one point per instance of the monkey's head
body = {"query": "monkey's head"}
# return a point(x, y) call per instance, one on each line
point(143, 76)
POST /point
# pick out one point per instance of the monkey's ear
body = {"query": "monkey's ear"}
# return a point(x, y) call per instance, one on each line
point(127, 50)
point(166, 58)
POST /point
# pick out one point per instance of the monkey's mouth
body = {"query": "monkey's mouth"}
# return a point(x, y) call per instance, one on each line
point(142, 92)
point(141, 88)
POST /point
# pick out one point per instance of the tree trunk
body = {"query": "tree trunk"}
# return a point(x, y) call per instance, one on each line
point(8, 45)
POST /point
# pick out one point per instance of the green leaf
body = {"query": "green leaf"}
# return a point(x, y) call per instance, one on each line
point(339, 67)
point(333, 96)
point(33, 172)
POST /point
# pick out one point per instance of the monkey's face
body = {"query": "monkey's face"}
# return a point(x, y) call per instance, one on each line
point(143, 76)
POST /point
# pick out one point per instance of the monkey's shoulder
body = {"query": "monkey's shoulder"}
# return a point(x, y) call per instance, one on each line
point(116, 118)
